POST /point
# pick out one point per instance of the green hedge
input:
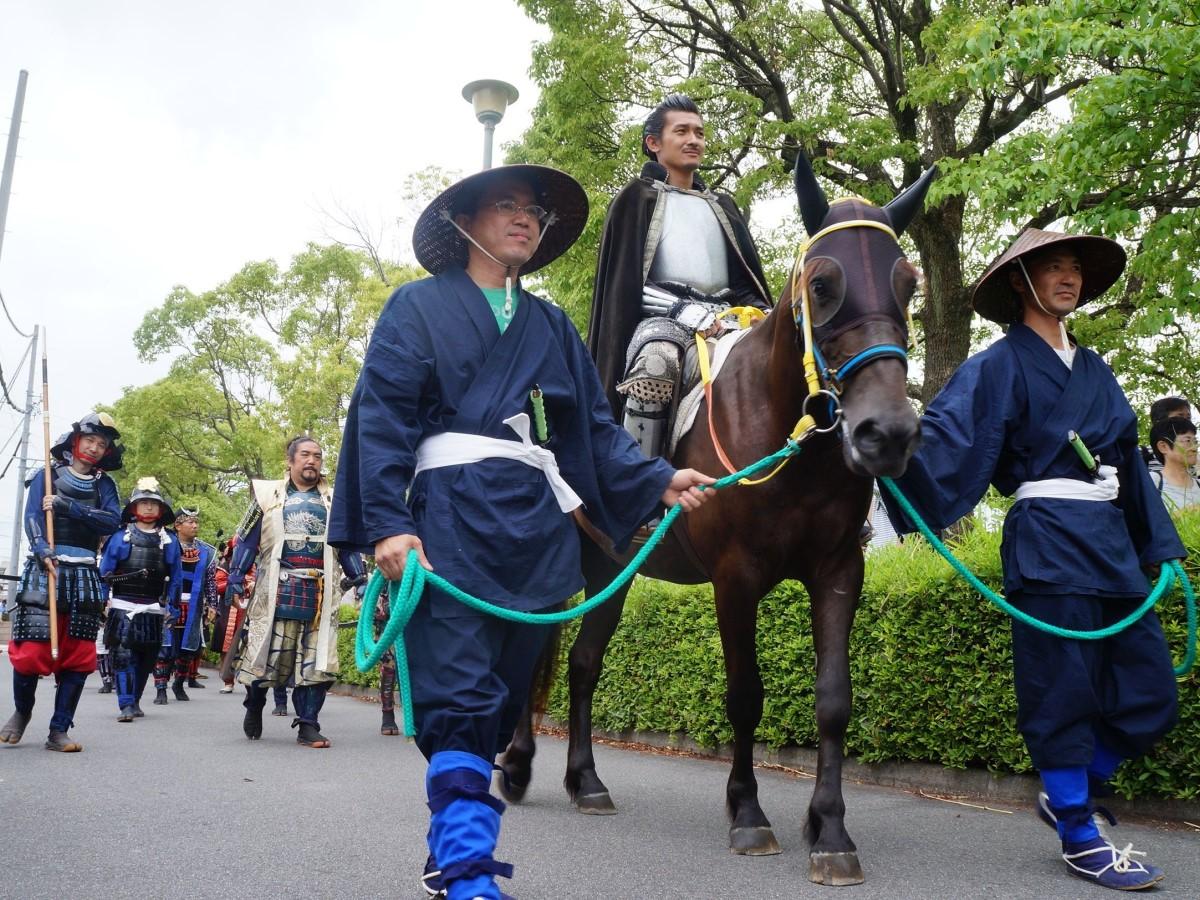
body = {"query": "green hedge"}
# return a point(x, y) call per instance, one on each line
point(931, 663)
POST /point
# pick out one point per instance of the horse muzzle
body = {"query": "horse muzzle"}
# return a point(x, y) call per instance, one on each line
point(880, 445)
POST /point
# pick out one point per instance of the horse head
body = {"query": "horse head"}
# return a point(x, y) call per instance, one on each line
point(857, 285)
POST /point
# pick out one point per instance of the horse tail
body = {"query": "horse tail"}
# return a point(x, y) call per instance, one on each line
point(544, 674)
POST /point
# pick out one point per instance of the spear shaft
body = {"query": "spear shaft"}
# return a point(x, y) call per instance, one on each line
point(51, 571)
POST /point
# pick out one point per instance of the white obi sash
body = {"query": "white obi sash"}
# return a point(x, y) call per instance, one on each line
point(457, 448)
point(1105, 487)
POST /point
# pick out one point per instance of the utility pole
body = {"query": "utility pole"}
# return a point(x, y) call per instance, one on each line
point(10, 163)
point(10, 154)
point(23, 454)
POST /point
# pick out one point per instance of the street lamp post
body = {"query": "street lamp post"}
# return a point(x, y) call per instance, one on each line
point(490, 98)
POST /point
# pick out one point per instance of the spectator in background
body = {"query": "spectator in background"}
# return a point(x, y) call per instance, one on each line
point(1160, 410)
point(1173, 442)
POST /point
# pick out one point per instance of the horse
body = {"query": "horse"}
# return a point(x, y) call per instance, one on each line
point(804, 523)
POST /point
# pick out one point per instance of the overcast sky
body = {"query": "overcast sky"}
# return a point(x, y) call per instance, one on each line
point(170, 143)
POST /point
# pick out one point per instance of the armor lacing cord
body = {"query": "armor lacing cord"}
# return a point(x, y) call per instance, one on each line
point(1171, 572)
point(404, 595)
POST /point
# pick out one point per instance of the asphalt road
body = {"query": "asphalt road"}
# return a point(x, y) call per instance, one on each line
point(180, 804)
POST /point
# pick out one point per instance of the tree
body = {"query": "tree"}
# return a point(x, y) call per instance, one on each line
point(268, 354)
point(997, 94)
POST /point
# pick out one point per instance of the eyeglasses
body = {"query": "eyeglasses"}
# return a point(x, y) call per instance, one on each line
point(511, 208)
point(1188, 443)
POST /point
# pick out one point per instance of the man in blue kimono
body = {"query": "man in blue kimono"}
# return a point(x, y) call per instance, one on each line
point(1078, 541)
point(477, 426)
point(183, 640)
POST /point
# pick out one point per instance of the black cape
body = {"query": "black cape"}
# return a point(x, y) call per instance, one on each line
point(617, 293)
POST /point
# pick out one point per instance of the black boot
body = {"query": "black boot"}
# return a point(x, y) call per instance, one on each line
point(105, 688)
point(59, 741)
point(256, 699)
point(180, 693)
point(193, 683)
point(126, 715)
point(14, 728)
point(160, 699)
point(389, 727)
point(310, 736)
point(137, 709)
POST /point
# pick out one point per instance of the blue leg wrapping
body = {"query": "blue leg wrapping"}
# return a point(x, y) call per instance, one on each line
point(126, 677)
point(464, 825)
point(66, 699)
point(24, 692)
point(1104, 764)
point(1067, 790)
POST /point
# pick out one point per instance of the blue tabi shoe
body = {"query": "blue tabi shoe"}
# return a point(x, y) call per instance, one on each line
point(1100, 815)
point(431, 880)
point(1099, 861)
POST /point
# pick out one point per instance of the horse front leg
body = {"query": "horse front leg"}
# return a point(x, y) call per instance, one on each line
point(750, 832)
point(833, 857)
point(585, 663)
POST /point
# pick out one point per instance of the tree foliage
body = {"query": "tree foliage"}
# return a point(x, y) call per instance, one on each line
point(1032, 112)
point(265, 355)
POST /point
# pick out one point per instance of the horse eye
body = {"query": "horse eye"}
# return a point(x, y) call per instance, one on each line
point(818, 286)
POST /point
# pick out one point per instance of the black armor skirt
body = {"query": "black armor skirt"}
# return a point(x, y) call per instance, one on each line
point(80, 596)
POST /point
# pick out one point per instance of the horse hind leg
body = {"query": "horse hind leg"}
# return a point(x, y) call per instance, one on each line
point(750, 832)
point(585, 663)
point(516, 763)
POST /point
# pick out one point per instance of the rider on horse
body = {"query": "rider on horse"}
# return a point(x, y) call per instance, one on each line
point(672, 256)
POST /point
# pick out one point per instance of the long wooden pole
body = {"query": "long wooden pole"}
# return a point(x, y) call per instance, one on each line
point(51, 571)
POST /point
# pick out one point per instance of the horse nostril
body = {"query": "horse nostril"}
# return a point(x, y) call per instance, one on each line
point(874, 438)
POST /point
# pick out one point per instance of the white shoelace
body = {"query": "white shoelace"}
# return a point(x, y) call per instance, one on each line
point(1122, 860)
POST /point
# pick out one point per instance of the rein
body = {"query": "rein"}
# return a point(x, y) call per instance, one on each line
point(816, 371)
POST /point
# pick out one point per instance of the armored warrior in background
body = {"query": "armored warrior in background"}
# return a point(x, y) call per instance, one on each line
point(86, 507)
point(292, 619)
point(142, 568)
point(183, 640)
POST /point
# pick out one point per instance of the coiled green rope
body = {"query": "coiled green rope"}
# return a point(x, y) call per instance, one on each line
point(404, 595)
point(1171, 571)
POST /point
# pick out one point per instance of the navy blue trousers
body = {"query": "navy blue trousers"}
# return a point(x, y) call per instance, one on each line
point(470, 677)
point(1120, 690)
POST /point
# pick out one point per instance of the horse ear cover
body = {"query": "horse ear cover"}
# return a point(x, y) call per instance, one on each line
point(813, 205)
point(903, 208)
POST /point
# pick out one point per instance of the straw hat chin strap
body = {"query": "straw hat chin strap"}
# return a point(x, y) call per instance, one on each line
point(1062, 329)
point(509, 271)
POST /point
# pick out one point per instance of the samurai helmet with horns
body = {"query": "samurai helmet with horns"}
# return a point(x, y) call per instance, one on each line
point(98, 423)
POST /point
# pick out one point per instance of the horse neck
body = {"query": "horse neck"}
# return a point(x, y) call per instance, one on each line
point(785, 365)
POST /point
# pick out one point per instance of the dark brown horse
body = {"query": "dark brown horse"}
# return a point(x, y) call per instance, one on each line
point(803, 524)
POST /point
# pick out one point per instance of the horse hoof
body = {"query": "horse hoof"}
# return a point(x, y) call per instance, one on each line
point(596, 804)
point(835, 869)
point(509, 790)
point(756, 841)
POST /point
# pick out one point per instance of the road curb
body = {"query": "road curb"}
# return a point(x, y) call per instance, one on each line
point(976, 784)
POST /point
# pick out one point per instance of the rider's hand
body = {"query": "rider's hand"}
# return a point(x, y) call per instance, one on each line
point(684, 489)
point(391, 552)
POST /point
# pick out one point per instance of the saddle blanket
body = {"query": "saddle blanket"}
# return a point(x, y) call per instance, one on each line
point(685, 416)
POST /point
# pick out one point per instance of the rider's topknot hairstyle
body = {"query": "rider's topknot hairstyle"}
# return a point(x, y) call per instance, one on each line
point(295, 442)
point(658, 117)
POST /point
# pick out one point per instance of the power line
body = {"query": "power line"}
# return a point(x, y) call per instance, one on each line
point(8, 399)
point(10, 318)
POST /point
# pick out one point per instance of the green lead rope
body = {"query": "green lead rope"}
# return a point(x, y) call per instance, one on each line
point(404, 595)
point(1171, 571)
